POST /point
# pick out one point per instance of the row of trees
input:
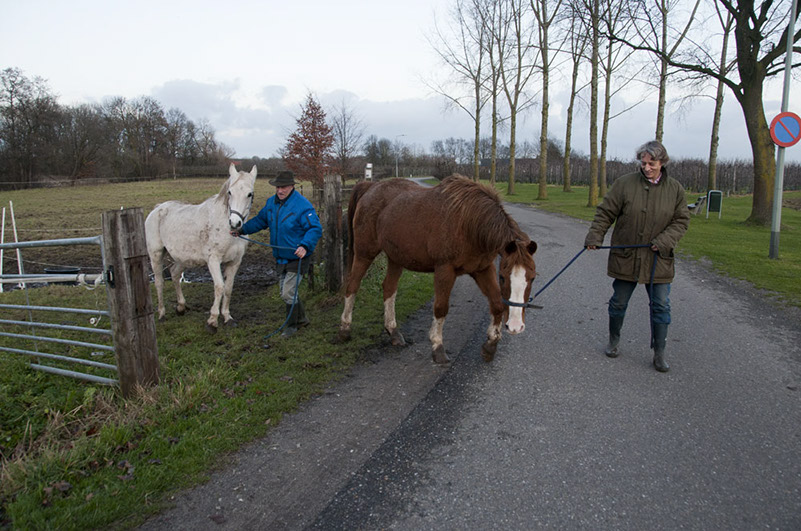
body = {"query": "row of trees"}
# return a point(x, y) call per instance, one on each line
point(120, 138)
point(137, 138)
point(502, 55)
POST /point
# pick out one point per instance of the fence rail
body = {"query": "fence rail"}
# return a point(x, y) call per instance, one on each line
point(38, 327)
point(130, 311)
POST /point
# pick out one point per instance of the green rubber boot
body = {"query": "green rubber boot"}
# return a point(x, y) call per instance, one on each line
point(615, 324)
point(659, 342)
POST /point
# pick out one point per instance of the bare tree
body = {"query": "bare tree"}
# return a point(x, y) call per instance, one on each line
point(655, 24)
point(761, 36)
point(81, 137)
point(578, 44)
point(464, 52)
point(29, 115)
point(544, 18)
point(592, 23)
point(616, 21)
point(512, 35)
point(348, 131)
point(491, 20)
point(726, 21)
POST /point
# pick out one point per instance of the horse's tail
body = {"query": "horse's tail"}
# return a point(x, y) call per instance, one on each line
point(358, 190)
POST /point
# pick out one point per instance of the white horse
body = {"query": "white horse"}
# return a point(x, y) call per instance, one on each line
point(194, 235)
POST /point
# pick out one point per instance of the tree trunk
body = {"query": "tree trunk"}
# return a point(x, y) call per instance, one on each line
point(763, 150)
point(663, 73)
point(593, 193)
point(512, 125)
point(476, 140)
point(543, 187)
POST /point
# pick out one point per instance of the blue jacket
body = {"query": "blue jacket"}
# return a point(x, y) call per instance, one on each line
point(292, 223)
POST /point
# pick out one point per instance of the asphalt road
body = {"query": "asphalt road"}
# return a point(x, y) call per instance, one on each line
point(550, 435)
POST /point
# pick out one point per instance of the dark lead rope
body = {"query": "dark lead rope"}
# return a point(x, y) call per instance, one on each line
point(297, 284)
point(650, 284)
point(529, 305)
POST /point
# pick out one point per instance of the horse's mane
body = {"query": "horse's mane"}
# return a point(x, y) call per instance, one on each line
point(223, 195)
point(479, 212)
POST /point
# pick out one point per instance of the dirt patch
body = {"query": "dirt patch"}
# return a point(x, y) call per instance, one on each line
point(257, 269)
point(794, 203)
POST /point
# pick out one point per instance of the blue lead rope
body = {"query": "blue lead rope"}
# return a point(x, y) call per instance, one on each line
point(297, 284)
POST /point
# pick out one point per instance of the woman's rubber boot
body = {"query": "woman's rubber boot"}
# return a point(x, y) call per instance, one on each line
point(292, 321)
point(659, 342)
point(615, 324)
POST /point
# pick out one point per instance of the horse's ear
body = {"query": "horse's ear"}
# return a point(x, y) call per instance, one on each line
point(253, 171)
point(532, 247)
point(510, 247)
point(232, 171)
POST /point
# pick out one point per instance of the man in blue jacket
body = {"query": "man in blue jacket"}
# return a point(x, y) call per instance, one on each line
point(294, 232)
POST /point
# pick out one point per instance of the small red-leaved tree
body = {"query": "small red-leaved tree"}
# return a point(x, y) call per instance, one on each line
point(308, 151)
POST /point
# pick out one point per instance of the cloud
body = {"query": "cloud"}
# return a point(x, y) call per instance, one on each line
point(258, 124)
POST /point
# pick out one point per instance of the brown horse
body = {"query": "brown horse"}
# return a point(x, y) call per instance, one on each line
point(458, 227)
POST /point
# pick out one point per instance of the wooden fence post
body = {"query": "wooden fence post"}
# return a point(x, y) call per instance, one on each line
point(133, 325)
point(332, 232)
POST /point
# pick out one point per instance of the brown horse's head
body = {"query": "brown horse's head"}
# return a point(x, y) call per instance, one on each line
point(517, 272)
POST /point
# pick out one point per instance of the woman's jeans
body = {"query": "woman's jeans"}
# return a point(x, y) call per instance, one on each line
point(660, 300)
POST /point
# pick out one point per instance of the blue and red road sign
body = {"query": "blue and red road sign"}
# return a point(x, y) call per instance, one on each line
point(785, 129)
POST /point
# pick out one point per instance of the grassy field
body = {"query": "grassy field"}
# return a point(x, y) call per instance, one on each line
point(731, 246)
point(77, 456)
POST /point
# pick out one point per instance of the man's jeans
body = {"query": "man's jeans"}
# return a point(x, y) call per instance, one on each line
point(660, 300)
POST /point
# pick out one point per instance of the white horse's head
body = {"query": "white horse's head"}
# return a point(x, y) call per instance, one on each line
point(240, 195)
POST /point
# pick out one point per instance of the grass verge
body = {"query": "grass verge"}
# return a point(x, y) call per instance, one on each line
point(74, 455)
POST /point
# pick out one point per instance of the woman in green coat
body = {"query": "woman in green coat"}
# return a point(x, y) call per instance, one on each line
point(648, 210)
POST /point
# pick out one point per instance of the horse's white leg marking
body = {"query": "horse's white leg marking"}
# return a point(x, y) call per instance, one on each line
point(389, 314)
point(435, 333)
point(176, 271)
point(158, 278)
point(347, 312)
point(494, 332)
point(216, 275)
point(515, 322)
point(230, 272)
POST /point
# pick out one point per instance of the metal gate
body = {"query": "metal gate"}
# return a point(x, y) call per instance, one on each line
point(35, 340)
point(131, 335)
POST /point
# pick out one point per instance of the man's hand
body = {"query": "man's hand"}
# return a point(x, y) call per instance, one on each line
point(300, 252)
point(592, 247)
point(235, 233)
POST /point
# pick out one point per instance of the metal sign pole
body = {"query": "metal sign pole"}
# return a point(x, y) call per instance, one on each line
point(778, 182)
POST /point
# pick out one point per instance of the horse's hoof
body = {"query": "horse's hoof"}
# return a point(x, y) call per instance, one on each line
point(439, 356)
point(341, 337)
point(211, 328)
point(488, 351)
point(180, 310)
point(230, 323)
point(397, 339)
point(162, 318)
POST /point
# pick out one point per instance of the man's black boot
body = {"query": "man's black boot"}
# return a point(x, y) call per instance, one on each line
point(302, 319)
point(292, 321)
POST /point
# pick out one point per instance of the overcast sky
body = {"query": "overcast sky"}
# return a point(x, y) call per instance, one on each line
point(246, 67)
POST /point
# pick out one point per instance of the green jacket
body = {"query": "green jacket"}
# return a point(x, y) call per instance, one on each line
point(643, 213)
